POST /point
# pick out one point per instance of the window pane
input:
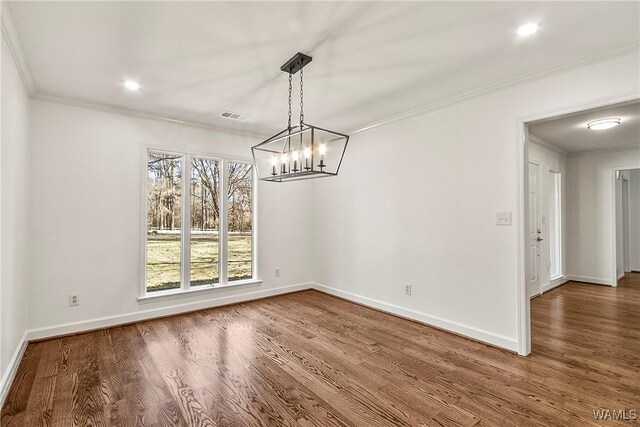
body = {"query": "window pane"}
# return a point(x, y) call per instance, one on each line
point(205, 222)
point(240, 221)
point(555, 221)
point(164, 206)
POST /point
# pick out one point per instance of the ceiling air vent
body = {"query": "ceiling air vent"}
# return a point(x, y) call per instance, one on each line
point(234, 116)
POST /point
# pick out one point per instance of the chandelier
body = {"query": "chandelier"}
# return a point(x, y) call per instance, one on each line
point(300, 151)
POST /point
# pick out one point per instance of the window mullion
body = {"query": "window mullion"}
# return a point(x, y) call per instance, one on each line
point(186, 223)
point(224, 223)
point(254, 224)
point(144, 226)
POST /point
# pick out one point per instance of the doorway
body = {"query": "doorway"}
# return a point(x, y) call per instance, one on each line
point(569, 202)
point(627, 218)
point(545, 231)
point(556, 271)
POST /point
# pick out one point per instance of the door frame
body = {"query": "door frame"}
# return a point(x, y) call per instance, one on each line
point(626, 226)
point(521, 213)
point(560, 220)
point(614, 273)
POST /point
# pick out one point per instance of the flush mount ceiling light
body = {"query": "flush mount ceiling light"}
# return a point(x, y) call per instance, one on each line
point(528, 29)
point(131, 85)
point(602, 124)
point(300, 151)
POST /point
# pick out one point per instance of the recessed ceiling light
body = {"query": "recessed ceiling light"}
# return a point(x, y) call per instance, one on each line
point(132, 85)
point(528, 29)
point(602, 124)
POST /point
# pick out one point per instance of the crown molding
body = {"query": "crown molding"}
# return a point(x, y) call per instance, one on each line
point(108, 108)
point(606, 150)
point(15, 47)
point(626, 49)
point(546, 144)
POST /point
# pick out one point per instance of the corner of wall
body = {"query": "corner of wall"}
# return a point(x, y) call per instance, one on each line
point(15, 118)
point(12, 368)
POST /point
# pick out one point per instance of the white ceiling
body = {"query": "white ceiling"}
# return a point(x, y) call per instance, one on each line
point(570, 133)
point(371, 60)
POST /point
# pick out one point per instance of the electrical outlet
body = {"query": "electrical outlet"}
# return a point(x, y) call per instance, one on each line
point(276, 272)
point(74, 299)
point(407, 289)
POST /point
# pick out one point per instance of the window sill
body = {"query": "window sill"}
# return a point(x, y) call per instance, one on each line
point(173, 294)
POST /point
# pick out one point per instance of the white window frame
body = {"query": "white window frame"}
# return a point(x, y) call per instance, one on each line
point(185, 288)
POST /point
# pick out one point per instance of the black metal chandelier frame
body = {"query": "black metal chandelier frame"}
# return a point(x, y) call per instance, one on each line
point(298, 139)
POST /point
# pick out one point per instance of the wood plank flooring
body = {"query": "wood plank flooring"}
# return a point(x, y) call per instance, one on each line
point(311, 359)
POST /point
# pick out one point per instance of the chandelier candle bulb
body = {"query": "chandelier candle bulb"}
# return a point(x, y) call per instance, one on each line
point(322, 150)
point(274, 163)
point(294, 156)
point(307, 155)
point(285, 160)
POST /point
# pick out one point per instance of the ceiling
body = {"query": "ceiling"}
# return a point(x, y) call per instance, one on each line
point(570, 133)
point(371, 60)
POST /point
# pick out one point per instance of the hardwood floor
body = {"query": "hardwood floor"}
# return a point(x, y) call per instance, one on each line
point(312, 359)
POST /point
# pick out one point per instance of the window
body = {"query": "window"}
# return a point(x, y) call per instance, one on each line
point(164, 221)
point(240, 221)
point(205, 222)
point(555, 225)
point(199, 224)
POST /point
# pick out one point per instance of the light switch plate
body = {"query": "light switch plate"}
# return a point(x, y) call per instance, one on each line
point(503, 218)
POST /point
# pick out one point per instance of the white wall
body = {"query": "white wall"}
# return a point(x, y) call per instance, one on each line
point(416, 202)
point(86, 192)
point(555, 161)
point(14, 195)
point(634, 219)
point(590, 184)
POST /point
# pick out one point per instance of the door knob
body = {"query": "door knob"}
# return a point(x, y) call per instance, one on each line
point(539, 239)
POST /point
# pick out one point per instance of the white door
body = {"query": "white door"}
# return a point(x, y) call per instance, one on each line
point(534, 230)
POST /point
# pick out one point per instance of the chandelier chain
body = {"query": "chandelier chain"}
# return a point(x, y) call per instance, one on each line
point(301, 98)
point(290, 89)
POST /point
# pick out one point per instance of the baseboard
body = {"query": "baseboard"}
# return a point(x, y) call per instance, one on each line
point(448, 325)
point(12, 368)
point(555, 283)
point(620, 277)
point(123, 319)
point(592, 280)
